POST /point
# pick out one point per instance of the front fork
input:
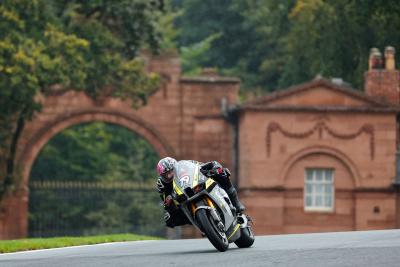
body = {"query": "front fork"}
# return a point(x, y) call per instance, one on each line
point(209, 206)
point(207, 201)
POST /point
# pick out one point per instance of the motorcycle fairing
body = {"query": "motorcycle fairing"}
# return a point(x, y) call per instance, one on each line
point(187, 176)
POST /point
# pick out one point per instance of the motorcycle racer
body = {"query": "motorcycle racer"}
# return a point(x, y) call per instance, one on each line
point(173, 215)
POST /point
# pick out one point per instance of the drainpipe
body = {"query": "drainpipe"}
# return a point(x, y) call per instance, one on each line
point(396, 183)
point(396, 186)
point(231, 115)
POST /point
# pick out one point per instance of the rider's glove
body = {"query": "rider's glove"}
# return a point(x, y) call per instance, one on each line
point(206, 167)
point(218, 171)
point(212, 168)
point(227, 172)
point(168, 202)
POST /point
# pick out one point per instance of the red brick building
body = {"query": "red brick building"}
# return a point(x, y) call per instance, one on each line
point(315, 157)
point(321, 156)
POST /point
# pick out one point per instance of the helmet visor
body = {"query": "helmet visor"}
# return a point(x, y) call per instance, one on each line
point(168, 176)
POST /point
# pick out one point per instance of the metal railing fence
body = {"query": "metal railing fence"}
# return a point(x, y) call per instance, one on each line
point(80, 208)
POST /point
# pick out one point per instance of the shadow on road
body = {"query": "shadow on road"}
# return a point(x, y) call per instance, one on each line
point(200, 251)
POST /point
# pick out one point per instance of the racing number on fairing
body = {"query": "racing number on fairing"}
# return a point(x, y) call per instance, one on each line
point(184, 180)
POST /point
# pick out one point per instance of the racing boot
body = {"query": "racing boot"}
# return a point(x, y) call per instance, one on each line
point(233, 196)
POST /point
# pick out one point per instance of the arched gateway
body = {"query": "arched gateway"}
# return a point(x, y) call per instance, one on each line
point(129, 121)
point(169, 122)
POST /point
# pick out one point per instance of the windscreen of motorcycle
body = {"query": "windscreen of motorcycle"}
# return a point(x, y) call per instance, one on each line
point(187, 174)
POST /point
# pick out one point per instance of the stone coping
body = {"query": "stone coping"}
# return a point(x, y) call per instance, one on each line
point(322, 108)
point(208, 79)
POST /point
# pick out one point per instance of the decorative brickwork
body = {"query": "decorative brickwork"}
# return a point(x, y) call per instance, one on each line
point(321, 151)
point(320, 127)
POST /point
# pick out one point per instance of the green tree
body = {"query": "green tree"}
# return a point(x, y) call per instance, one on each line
point(95, 152)
point(193, 56)
point(333, 38)
point(249, 34)
point(273, 44)
point(84, 45)
point(309, 42)
point(263, 61)
point(201, 19)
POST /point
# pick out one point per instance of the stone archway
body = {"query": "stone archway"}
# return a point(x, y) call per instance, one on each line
point(341, 218)
point(332, 152)
point(129, 121)
point(15, 207)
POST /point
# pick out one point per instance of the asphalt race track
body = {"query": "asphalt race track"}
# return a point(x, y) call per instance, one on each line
point(368, 248)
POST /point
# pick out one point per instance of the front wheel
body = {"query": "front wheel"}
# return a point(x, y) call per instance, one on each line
point(216, 237)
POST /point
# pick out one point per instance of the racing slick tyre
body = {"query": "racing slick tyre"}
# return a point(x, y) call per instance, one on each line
point(216, 237)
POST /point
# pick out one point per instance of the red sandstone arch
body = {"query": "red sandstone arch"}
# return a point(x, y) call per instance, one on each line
point(335, 153)
point(341, 217)
point(129, 121)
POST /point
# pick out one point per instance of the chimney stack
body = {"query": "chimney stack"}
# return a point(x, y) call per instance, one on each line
point(381, 81)
point(375, 59)
point(390, 63)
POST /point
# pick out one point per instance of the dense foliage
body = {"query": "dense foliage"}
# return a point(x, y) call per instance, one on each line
point(273, 44)
point(96, 152)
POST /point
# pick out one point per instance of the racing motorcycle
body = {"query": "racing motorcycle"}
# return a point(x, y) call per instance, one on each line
point(209, 208)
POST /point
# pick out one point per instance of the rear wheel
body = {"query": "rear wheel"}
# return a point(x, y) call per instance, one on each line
point(246, 238)
point(216, 237)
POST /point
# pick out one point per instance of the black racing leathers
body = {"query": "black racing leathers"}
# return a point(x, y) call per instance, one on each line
point(173, 215)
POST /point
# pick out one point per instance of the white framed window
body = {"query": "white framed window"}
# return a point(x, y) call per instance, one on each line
point(319, 189)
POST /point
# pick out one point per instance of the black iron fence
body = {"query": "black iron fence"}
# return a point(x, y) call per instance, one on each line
point(77, 208)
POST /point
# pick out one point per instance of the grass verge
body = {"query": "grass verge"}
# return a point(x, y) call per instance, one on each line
point(57, 242)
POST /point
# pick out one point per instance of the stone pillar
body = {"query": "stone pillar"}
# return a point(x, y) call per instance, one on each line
point(168, 65)
point(206, 134)
point(13, 214)
point(396, 186)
